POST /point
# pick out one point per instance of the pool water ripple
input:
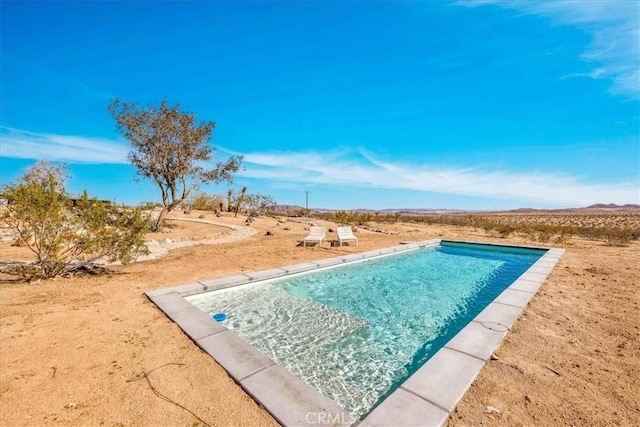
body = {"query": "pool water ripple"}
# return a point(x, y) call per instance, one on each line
point(356, 332)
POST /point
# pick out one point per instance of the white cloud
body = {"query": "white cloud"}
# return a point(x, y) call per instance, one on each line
point(339, 169)
point(614, 27)
point(22, 144)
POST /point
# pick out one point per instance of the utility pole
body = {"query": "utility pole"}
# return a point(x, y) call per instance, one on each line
point(306, 198)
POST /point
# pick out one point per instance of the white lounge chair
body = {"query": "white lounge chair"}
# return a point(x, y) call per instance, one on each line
point(316, 235)
point(345, 234)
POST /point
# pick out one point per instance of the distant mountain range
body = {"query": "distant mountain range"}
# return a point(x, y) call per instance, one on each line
point(598, 206)
point(612, 206)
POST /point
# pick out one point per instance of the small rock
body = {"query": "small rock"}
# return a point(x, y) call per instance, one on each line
point(201, 216)
point(71, 405)
point(187, 212)
point(287, 228)
point(492, 410)
point(268, 233)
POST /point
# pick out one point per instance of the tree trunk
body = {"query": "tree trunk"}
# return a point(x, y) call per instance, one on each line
point(229, 199)
point(160, 221)
point(240, 199)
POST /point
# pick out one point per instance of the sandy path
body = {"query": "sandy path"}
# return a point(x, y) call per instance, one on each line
point(160, 248)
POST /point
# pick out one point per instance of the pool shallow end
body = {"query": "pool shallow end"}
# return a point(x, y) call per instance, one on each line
point(428, 396)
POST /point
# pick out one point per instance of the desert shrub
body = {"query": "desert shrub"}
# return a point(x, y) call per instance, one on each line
point(491, 228)
point(204, 201)
point(259, 204)
point(504, 230)
point(341, 217)
point(616, 236)
point(379, 218)
point(564, 234)
point(297, 213)
point(592, 233)
point(68, 234)
point(543, 232)
point(527, 231)
point(363, 218)
point(149, 205)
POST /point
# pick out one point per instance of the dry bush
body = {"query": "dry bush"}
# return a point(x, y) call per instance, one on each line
point(611, 227)
point(205, 202)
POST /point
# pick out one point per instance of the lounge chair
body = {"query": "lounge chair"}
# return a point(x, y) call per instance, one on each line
point(345, 234)
point(316, 235)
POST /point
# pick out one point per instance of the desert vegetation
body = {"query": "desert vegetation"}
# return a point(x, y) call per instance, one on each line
point(65, 234)
point(253, 204)
point(615, 227)
point(359, 218)
point(169, 148)
point(204, 202)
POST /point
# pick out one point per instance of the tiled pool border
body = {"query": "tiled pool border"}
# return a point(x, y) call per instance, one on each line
point(426, 398)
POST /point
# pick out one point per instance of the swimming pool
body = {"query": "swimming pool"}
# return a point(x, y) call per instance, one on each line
point(357, 327)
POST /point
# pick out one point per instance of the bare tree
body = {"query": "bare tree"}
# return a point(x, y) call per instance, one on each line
point(44, 174)
point(258, 204)
point(170, 149)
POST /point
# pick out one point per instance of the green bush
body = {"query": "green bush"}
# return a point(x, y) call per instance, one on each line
point(67, 234)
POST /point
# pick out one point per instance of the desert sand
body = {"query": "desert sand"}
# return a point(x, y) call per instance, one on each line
point(94, 350)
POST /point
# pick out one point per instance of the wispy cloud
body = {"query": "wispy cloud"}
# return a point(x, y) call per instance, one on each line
point(22, 144)
point(614, 27)
point(341, 168)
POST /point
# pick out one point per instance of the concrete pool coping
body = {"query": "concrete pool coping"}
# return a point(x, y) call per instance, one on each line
point(426, 398)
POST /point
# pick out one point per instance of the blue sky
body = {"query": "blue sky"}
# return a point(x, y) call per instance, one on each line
point(439, 104)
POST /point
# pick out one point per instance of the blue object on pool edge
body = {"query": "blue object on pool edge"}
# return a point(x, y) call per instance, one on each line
point(219, 317)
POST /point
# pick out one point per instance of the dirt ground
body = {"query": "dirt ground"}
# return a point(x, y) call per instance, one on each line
point(94, 351)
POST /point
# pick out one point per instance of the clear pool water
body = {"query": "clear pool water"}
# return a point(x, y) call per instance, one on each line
point(357, 331)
